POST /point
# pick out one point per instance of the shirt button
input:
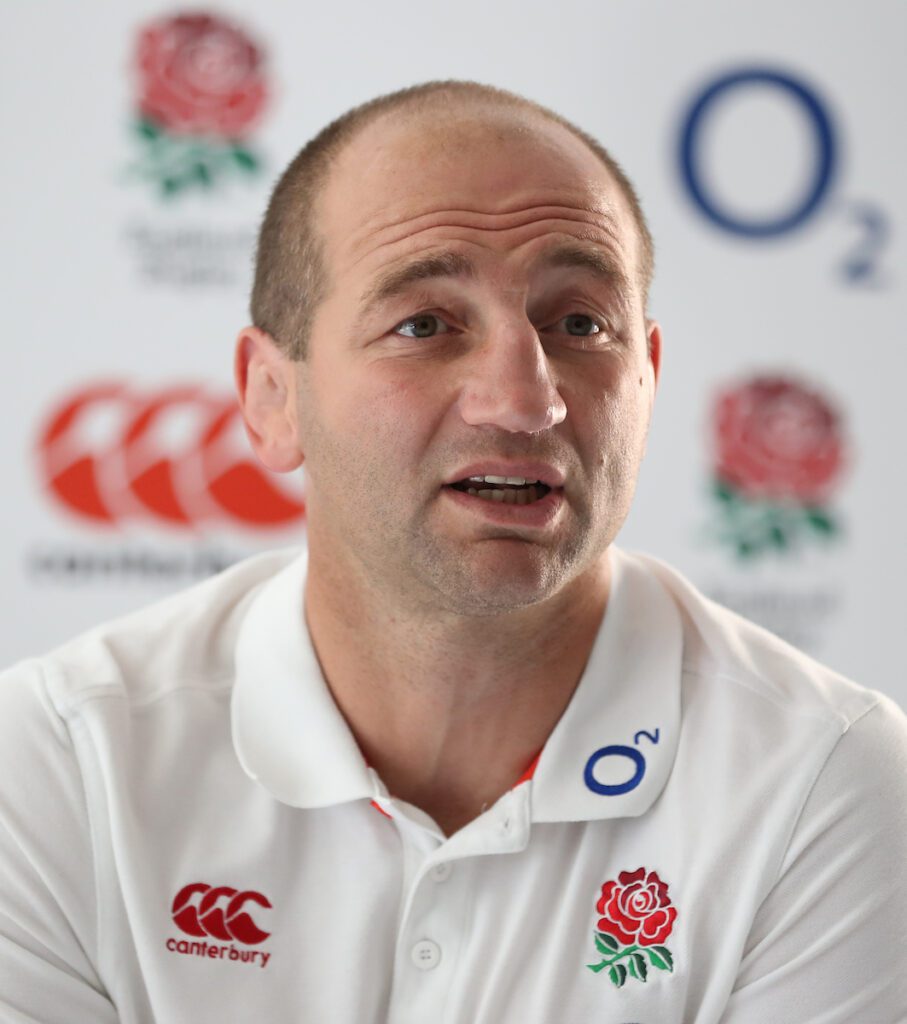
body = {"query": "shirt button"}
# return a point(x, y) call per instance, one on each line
point(441, 872)
point(426, 955)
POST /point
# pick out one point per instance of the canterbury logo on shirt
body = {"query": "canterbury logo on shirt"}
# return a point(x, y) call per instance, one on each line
point(218, 912)
point(220, 922)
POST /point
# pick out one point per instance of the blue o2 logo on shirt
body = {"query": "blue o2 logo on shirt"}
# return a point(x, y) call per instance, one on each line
point(824, 161)
point(625, 753)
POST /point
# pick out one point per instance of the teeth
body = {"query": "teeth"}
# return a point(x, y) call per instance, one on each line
point(525, 497)
point(516, 480)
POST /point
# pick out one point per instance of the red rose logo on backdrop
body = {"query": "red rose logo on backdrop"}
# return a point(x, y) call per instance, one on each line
point(201, 90)
point(637, 916)
point(779, 452)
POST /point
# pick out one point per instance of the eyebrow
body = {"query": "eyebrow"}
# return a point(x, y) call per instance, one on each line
point(395, 282)
point(454, 264)
point(587, 257)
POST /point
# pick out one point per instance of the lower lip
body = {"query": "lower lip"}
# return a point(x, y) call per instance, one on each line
point(537, 514)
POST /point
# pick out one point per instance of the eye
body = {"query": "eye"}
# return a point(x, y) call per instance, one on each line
point(580, 325)
point(423, 325)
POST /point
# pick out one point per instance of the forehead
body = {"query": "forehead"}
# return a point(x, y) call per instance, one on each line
point(502, 181)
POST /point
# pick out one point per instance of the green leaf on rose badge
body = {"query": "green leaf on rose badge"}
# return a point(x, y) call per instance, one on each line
point(636, 917)
point(638, 967)
point(606, 944)
point(618, 974)
point(661, 958)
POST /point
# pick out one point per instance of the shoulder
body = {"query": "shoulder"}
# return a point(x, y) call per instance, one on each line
point(736, 661)
point(185, 640)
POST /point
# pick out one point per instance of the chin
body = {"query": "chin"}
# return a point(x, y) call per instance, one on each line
point(495, 590)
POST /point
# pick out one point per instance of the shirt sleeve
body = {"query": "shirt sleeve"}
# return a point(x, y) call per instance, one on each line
point(828, 944)
point(48, 895)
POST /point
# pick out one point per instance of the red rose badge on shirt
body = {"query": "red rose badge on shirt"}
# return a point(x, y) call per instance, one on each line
point(637, 916)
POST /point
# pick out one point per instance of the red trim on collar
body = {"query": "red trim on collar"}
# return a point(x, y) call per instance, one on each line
point(530, 771)
point(378, 807)
point(525, 777)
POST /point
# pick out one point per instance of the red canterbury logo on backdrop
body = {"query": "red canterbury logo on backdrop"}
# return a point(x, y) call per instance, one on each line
point(219, 913)
point(177, 456)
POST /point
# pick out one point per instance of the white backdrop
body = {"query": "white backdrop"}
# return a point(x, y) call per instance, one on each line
point(774, 477)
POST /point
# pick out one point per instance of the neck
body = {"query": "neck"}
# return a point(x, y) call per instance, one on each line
point(450, 710)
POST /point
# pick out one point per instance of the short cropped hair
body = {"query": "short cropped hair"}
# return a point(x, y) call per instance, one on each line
point(290, 273)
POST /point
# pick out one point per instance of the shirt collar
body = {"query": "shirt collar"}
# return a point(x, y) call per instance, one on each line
point(288, 733)
point(609, 755)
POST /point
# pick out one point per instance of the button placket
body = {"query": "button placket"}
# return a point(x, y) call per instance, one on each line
point(441, 872)
point(426, 954)
point(433, 931)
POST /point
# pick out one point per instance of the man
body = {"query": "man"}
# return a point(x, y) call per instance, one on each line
point(464, 761)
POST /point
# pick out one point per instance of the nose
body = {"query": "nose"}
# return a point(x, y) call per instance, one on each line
point(510, 385)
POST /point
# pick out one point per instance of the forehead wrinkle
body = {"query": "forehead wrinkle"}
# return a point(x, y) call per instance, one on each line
point(437, 235)
point(380, 237)
point(444, 217)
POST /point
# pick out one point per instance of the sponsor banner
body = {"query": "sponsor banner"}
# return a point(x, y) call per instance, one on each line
point(771, 183)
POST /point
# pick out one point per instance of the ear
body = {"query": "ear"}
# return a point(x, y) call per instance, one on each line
point(653, 339)
point(266, 387)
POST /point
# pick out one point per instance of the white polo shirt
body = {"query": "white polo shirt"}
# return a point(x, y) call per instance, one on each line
point(716, 830)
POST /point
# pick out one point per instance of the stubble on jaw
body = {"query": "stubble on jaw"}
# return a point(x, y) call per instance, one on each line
point(404, 553)
point(409, 558)
point(402, 560)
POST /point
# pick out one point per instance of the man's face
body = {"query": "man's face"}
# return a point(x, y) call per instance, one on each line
point(521, 351)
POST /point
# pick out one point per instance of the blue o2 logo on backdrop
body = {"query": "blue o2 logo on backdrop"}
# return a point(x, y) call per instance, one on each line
point(860, 265)
point(626, 757)
point(825, 147)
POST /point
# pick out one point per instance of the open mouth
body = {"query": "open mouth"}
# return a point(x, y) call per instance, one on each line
point(507, 490)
